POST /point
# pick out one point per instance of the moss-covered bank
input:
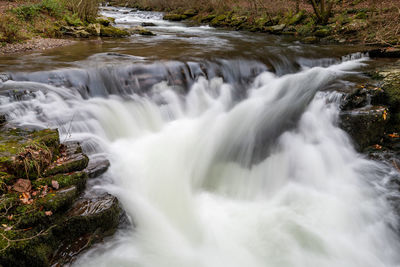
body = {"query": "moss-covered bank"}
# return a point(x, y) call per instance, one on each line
point(41, 182)
point(347, 21)
point(53, 19)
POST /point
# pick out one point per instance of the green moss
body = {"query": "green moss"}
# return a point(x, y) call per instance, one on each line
point(297, 18)
point(207, 18)
point(219, 20)
point(105, 21)
point(175, 17)
point(391, 89)
point(77, 179)
point(322, 32)
point(27, 154)
point(109, 31)
point(73, 20)
point(77, 163)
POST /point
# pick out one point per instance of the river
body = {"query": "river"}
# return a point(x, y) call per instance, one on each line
point(224, 146)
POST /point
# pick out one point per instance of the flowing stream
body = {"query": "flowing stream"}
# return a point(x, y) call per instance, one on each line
point(224, 147)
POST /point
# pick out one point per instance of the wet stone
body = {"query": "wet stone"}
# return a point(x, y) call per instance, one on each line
point(97, 166)
point(89, 221)
point(71, 159)
point(366, 126)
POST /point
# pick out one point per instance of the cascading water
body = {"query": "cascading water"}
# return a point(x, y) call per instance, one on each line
point(210, 177)
point(216, 162)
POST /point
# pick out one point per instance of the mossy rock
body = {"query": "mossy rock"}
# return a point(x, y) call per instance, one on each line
point(77, 179)
point(207, 18)
point(297, 18)
point(219, 21)
point(323, 32)
point(94, 29)
point(310, 40)
point(109, 31)
point(141, 31)
point(175, 17)
point(105, 21)
point(26, 153)
point(236, 22)
point(190, 13)
point(391, 88)
point(71, 163)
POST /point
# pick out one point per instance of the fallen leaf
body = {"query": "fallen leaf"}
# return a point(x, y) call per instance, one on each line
point(394, 135)
point(376, 146)
point(55, 184)
point(10, 217)
point(22, 185)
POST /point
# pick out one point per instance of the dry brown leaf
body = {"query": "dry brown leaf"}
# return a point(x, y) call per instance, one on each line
point(48, 213)
point(22, 185)
point(55, 184)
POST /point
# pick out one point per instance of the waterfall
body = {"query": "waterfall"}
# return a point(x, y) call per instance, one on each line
point(220, 164)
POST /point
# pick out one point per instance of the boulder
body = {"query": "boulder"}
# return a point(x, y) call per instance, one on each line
point(297, 18)
point(94, 29)
point(354, 26)
point(71, 159)
point(388, 52)
point(219, 21)
point(366, 126)
point(88, 221)
point(190, 13)
point(276, 29)
point(109, 31)
point(148, 24)
point(4, 77)
point(105, 21)
point(310, 40)
point(3, 120)
point(141, 31)
point(174, 17)
point(362, 96)
point(97, 166)
point(323, 32)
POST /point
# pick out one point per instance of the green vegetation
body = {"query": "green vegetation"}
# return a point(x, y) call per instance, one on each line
point(40, 181)
point(361, 21)
point(54, 18)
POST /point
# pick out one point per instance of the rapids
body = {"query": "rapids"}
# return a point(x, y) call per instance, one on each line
point(222, 162)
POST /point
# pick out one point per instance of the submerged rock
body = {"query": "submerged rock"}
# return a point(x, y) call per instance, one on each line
point(148, 24)
point(140, 30)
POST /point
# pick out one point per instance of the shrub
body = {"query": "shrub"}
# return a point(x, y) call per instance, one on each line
point(27, 12)
point(87, 10)
point(54, 7)
point(10, 29)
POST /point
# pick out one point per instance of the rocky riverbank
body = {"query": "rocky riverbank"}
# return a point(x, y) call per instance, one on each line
point(44, 218)
point(351, 22)
point(48, 24)
point(371, 115)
